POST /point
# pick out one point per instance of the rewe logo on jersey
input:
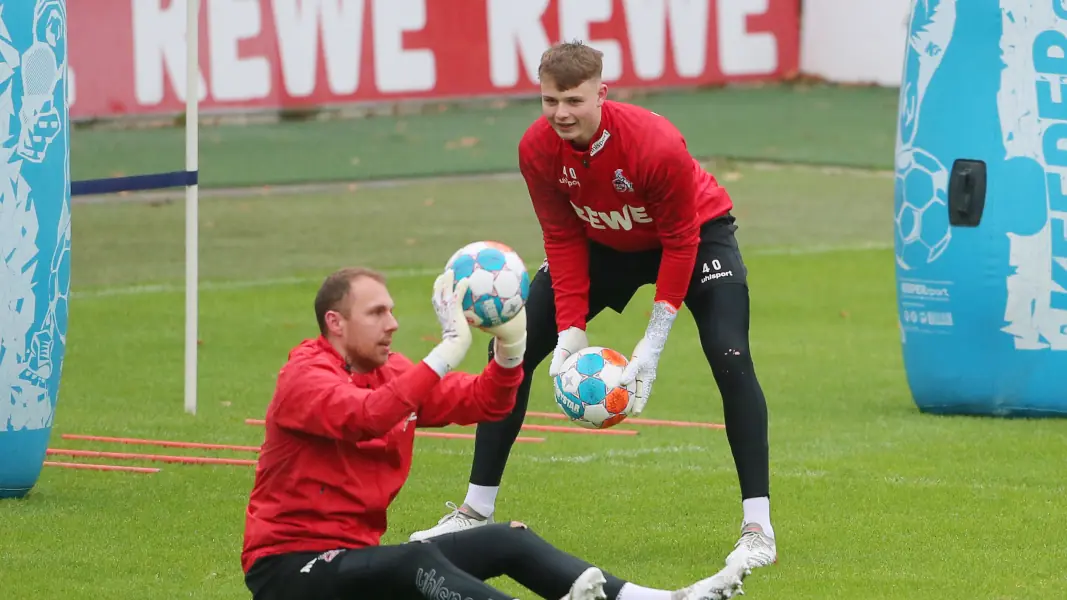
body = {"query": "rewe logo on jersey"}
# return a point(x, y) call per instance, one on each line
point(614, 219)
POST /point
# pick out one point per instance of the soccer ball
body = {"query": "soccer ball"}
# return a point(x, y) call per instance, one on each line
point(499, 283)
point(587, 388)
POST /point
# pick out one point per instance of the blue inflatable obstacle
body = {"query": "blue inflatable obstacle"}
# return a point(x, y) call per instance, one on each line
point(34, 233)
point(981, 207)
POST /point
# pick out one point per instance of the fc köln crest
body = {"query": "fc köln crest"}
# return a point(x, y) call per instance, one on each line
point(622, 184)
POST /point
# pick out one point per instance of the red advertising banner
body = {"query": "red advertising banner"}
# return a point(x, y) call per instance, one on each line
point(128, 56)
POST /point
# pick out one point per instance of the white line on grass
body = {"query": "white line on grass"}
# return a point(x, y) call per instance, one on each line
point(240, 284)
point(584, 458)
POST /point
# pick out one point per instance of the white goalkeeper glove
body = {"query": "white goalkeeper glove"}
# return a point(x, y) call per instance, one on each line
point(645, 359)
point(510, 342)
point(455, 331)
point(570, 341)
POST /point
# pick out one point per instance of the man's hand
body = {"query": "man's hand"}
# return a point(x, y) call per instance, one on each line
point(570, 341)
point(455, 331)
point(645, 358)
point(510, 343)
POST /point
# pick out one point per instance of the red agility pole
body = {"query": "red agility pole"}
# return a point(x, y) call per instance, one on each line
point(636, 421)
point(160, 443)
point(188, 460)
point(95, 467)
point(432, 434)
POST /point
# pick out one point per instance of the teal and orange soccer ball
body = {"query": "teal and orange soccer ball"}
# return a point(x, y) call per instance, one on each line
point(499, 283)
point(587, 388)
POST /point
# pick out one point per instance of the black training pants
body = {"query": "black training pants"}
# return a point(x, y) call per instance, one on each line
point(454, 565)
point(719, 302)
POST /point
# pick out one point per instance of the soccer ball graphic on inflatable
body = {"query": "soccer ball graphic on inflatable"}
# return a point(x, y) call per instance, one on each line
point(499, 283)
point(587, 388)
point(921, 220)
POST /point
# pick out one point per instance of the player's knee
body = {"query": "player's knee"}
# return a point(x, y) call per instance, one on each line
point(513, 532)
point(425, 553)
point(422, 550)
point(727, 356)
point(512, 528)
point(724, 341)
point(730, 366)
point(520, 540)
point(732, 353)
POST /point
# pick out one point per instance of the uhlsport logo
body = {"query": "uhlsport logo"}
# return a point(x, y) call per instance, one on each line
point(599, 144)
point(713, 272)
point(432, 585)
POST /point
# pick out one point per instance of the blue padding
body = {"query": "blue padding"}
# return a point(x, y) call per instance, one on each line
point(981, 208)
point(134, 183)
point(36, 233)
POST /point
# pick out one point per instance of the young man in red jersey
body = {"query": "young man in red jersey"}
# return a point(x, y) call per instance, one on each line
point(338, 448)
point(621, 204)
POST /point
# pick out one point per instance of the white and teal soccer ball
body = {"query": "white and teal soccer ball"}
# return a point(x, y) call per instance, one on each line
point(587, 388)
point(499, 283)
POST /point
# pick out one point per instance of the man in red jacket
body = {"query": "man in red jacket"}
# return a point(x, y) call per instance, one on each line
point(338, 448)
point(621, 204)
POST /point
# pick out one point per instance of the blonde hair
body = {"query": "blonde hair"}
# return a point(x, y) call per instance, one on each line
point(570, 64)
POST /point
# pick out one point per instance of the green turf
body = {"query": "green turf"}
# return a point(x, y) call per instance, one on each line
point(870, 499)
point(793, 123)
point(273, 236)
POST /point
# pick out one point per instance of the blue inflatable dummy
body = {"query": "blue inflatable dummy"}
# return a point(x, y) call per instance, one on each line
point(34, 233)
point(981, 207)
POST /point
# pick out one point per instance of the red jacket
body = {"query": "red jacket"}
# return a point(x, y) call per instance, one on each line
point(635, 188)
point(338, 446)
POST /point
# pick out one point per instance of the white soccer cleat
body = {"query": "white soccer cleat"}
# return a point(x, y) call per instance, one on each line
point(754, 549)
point(588, 586)
point(460, 519)
point(720, 586)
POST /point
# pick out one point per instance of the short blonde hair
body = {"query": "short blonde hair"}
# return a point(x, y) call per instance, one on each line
point(570, 64)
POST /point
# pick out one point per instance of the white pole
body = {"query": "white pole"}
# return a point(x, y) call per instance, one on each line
point(192, 254)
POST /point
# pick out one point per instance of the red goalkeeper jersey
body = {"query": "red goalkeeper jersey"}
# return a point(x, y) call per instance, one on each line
point(635, 188)
point(338, 445)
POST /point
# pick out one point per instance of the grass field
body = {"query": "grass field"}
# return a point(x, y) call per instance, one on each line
point(799, 123)
point(870, 499)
